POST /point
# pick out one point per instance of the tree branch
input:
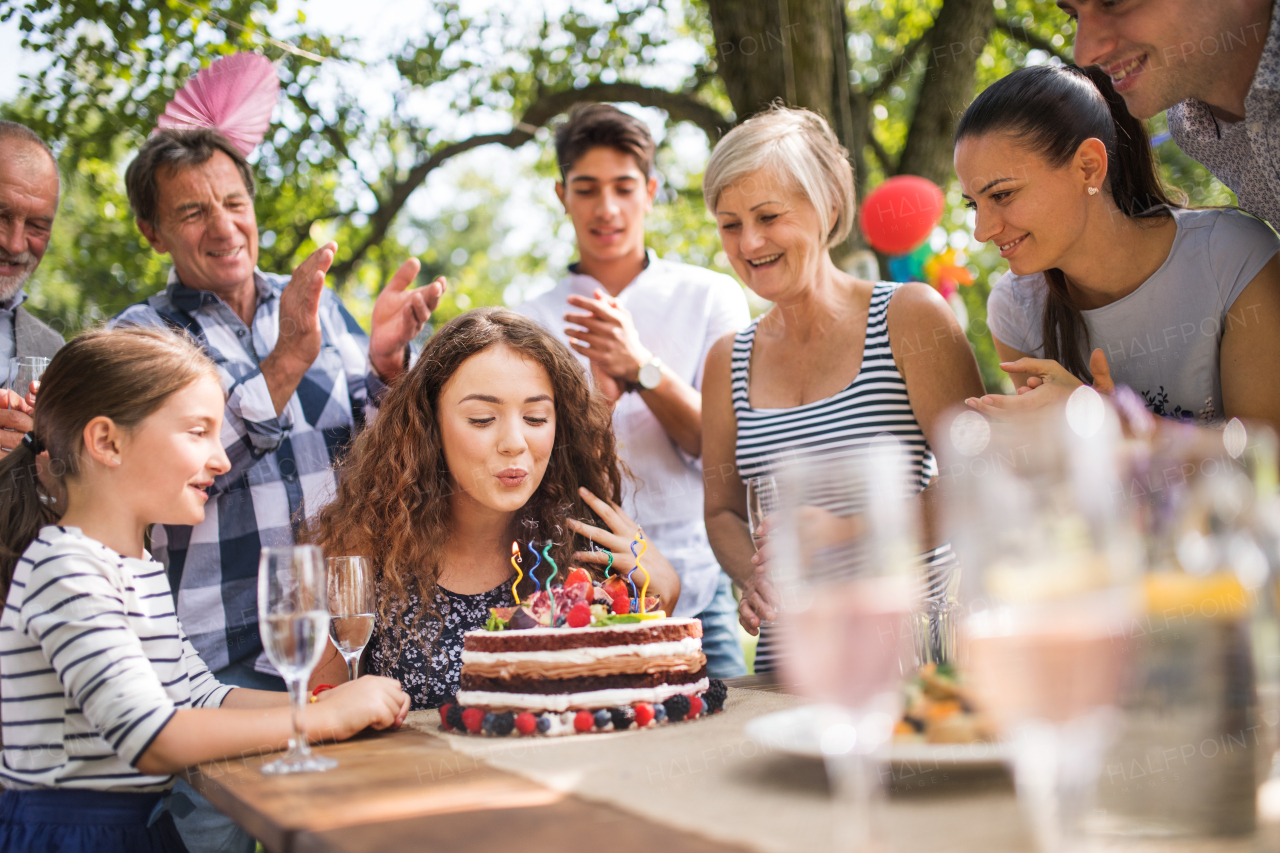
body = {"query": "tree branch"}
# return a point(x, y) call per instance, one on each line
point(679, 106)
point(898, 66)
point(1030, 39)
point(886, 162)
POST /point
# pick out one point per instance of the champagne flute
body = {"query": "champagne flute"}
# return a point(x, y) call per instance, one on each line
point(351, 608)
point(293, 620)
point(23, 371)
point(1037, 512)
point(847, 540)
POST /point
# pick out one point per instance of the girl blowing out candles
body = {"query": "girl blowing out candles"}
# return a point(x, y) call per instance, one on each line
point(496, 427)
point(104, 697)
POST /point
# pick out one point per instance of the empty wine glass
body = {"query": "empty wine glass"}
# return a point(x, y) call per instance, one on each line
point(1037, 514)
point(351, 609)
point(23, 371)
point(293, 620)
point(762, 501)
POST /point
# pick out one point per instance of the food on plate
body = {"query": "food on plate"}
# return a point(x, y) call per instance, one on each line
point(939, 709)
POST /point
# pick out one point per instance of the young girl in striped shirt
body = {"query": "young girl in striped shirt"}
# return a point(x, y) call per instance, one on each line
point(104, 699)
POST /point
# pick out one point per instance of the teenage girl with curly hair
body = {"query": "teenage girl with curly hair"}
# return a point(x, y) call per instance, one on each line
point(496, 435)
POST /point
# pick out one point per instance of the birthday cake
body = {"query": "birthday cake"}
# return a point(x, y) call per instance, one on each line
point(581, 658)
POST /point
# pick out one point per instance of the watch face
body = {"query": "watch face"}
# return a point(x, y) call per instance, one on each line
point(650, 376)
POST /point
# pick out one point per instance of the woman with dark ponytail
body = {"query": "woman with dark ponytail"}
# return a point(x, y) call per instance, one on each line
point(104, 697)
point(1110, 282)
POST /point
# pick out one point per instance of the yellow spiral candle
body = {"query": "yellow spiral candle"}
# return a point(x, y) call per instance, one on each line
point(644, 588)
point(515, 564)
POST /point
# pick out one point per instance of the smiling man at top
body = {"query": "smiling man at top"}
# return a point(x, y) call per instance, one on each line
point(1214, 65)
point(299, 373)
point(29, 189)
point(644, 325)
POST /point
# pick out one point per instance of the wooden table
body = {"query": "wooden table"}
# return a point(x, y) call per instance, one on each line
point(410, 790)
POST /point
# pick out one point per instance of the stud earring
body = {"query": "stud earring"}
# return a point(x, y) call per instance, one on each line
point(1093, 190)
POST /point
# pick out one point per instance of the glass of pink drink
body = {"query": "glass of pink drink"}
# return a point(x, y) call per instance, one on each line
point(846, 539)
point(1052, 562)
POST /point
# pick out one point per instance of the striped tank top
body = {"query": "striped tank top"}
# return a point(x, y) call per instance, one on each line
point(872, 407)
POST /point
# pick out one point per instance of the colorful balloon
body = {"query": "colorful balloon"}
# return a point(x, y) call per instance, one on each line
point(899, 215)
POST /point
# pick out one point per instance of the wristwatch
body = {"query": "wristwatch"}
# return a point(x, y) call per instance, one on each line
point(650, 374)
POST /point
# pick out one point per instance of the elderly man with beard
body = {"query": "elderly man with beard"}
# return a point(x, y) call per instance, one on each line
point(28, 202)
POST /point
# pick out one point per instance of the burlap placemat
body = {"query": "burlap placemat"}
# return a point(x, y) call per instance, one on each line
point(708, 777)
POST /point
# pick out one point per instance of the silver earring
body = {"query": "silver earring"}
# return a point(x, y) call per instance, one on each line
point(1093, 190)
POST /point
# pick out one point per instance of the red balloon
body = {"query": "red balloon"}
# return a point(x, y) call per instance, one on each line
point(899, 215)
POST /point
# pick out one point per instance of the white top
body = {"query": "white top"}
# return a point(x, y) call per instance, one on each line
point(93, 664)
point(679, 311)
point(1162, 340)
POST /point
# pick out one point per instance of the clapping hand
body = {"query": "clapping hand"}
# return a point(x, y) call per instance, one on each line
point(300, 336)
point(1048, 383)
point(610, 339)
point(399, 314)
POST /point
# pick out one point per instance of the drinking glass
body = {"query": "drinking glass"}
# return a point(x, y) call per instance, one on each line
point(846, 543)
point(293, 619)
point(762, 500)
point(1037, 514)
point(25, 370)
point(351, 608)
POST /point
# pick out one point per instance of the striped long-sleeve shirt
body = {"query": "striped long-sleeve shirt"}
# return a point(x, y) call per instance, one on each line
point(93, 664)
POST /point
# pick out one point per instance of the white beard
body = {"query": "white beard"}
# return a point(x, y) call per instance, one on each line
point(11, 284)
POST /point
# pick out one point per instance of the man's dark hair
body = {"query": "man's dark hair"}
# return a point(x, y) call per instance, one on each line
point(22, 133)
point(600, 125)
point(176, 149)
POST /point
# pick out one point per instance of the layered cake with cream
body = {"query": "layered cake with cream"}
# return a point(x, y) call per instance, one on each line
point(588, 668)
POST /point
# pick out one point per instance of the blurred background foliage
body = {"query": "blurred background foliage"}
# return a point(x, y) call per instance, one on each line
point(407, 172)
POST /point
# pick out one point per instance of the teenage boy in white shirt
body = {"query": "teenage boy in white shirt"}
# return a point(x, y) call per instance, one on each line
point(643, 327)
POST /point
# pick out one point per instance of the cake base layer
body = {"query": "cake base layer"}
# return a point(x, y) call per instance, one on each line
point(621, 681)
point(584, 701)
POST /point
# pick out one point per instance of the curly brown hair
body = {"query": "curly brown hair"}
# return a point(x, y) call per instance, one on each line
point(392, 503)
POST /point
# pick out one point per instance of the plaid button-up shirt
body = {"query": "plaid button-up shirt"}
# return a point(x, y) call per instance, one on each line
point(1246, 155)
point(281, 466)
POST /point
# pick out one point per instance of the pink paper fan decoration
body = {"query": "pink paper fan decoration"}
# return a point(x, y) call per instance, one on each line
point(235, 95)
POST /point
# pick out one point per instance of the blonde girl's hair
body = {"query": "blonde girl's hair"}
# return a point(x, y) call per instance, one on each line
point(799, 148)
point(125, 374)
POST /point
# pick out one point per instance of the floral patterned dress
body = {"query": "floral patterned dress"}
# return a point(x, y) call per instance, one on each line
point(429, 662)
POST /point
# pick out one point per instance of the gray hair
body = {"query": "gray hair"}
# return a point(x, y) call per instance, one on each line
point(799, 147)
point(22, 133)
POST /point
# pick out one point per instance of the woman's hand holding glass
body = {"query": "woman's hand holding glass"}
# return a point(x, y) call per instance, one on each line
point(818, 529)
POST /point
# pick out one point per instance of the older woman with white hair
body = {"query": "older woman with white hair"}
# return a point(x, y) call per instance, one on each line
point(835, 363)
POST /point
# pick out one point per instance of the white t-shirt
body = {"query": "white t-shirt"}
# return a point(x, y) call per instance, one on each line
point(679, 311)
point(1162, 340)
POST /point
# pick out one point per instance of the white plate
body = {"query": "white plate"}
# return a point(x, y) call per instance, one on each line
point(798, 731)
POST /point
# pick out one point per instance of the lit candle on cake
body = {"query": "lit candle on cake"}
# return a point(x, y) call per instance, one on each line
point(515, 564)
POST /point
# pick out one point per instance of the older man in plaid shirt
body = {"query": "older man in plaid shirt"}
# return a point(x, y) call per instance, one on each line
point(300, 375)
